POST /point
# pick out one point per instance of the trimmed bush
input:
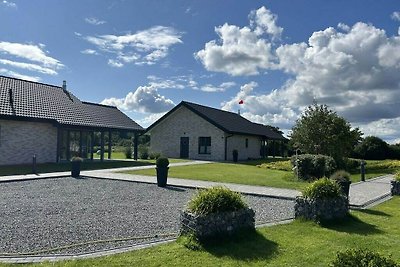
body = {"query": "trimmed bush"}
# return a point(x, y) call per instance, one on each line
point(322, 188)
point(311, 167)
point(340, 176)
point(215, 199)
point(162, 162)
point(128, 152)
point(362, 258)
point(143, 151)
point(397, 176)
point(154, 155)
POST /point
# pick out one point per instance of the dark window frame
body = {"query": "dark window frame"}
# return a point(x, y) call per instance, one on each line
point(247, 142)
point(205, 145)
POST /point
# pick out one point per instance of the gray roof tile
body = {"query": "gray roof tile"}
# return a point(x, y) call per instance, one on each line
point(34, 100)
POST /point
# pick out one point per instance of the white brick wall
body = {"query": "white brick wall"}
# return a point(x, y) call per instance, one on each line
point(239, 142)
point(19, 140)
point(165, 137)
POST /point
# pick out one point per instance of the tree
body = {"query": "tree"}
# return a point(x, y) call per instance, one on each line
point(372, 147)
point(322, 131)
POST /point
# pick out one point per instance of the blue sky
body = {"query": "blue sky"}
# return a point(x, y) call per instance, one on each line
point(277, 56)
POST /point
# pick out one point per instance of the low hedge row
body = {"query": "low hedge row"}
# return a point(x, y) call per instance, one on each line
point(310, 167)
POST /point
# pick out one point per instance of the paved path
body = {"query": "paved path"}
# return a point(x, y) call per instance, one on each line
point(370, 192)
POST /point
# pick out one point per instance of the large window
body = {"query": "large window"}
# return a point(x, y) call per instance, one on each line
point(204, 145)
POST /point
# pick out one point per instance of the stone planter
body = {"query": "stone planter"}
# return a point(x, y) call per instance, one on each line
point(395, 187)
point(345, 187)
point(216, 224)
point(75, 168)
point(321, 209)
point(162, 175)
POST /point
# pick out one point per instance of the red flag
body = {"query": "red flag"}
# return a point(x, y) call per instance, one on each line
point(241, 102)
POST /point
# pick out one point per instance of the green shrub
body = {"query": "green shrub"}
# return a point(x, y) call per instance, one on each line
point(154, 155)
point(128, 152)
point(350, 164)
point(362, 258)
point(162, 162)
point(397, 176)
point(143, 151)
point(340, 176)
point(77, 159)
point(311, 166)
point(151, 156)
point(215, 199)
point(322, 188)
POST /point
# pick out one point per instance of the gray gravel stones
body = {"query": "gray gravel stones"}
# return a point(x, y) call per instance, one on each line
point(42, 214)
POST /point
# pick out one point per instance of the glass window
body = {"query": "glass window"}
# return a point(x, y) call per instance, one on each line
point(204, 145)
point(247, 142)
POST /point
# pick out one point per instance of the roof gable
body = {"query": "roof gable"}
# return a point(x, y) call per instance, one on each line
point(229, 122)
point(20, 98)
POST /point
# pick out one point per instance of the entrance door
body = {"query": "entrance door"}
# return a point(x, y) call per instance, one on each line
point(184, 147)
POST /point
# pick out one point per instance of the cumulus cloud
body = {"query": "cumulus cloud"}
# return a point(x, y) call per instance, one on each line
point(352, 69)
point(94, 21)
point(89, 52)
point(148, 120)
point(143, 47)
point(242, 51)
point(9, 4)
point(145, 99)
point(395, 16)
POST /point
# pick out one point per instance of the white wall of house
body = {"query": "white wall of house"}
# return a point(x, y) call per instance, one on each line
point(165, 136)
point(238, 142)
point(20, 140)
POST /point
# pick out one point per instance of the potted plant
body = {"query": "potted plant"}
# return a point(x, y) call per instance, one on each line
point(395, 184)
point(235, 154)
point(76, 166)
point(343, 179)
point(162, 171)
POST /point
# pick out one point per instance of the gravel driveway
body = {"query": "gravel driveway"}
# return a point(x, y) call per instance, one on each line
point(42, 214)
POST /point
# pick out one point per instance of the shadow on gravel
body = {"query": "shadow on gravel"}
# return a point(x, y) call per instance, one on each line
point(247, 245)
point(352, 225)
point(174, 188)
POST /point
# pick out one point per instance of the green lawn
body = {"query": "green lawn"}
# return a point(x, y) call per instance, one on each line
point(248, 173)
point(232, 173)
point(296, 244)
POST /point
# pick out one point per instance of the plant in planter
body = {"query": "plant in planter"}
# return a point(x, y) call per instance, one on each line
point(162, 171)
point(343, 179)
point(235, 154)
point(76, 166)
point(395, 184)
point(322, 200)
point(216, 211)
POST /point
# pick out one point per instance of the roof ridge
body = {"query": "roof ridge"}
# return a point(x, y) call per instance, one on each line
point(22, 80)
point(221, 110)
point(97, 104)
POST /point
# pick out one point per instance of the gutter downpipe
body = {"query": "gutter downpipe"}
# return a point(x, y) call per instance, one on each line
point(226, 146)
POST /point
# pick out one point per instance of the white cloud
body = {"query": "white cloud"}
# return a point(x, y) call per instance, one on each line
point(395, 16)
point(30, 52)
point(148, 120)
point(264, 21)
point(9, 4)
point(221, 88)
point(89, 52)
point(143, 47)
point(145, 99)
point(28, 66)
point(94, 21)
point(242, 51)
point(19, 76)
point(115, 63)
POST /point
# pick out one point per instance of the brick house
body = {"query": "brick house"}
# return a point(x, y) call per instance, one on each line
point(50, 122)
point(194, 131)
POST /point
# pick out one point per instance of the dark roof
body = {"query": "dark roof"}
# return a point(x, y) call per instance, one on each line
point(229, 122)
point(32, 100)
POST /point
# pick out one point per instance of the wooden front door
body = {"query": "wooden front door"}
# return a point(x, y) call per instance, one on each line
point(184, 148)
